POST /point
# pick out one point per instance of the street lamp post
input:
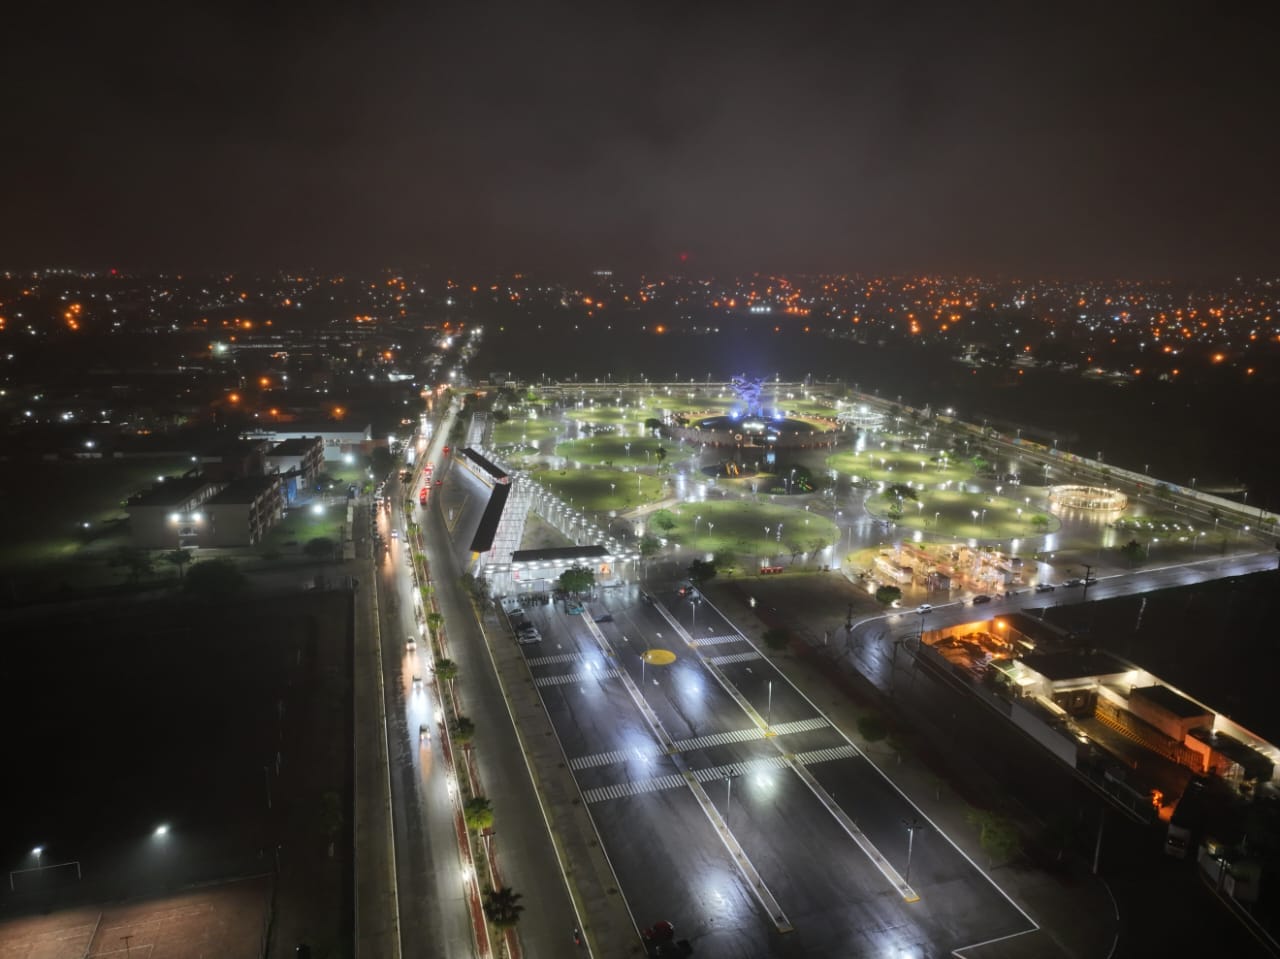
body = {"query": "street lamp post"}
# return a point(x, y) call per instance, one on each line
point(768, 710)
point(913, 826)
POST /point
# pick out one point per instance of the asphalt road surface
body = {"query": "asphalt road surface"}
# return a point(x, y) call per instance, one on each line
point(826, 834)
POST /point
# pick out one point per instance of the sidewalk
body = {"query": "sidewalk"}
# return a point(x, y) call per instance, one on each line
point(1075, 913)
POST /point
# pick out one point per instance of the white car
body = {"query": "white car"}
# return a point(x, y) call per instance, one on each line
point(924, 608)
point(410, 643)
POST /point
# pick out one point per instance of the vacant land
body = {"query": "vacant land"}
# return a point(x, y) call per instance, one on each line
point(227, 921)
point(229, 725)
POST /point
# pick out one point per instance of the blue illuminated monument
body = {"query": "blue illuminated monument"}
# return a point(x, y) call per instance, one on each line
point(748, 391)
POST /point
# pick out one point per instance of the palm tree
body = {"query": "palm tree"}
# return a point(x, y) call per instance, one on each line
point(502, 906)
point(478, 813)
point(447, 670)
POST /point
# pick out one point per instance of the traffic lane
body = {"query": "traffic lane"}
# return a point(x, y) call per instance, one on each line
point(525, 852)
point(413, 867)
point(839, 902)
point(433, 910)
point(686, 697)
point(956, 894)
point(671, 866)
point(803, 852)
point(593, 716)
point(768, 692)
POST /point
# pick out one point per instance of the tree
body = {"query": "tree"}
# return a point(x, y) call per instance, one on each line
point(321, 547)
point(650, 545)
point(998, 835)
point(726, 562)
point(138, 562)
point(447, 670)
point(380, 461)
point(577, 580)
point(1040, 522)
point(463, 729)
point(435, 621)
point(872, 728)
point(777, 638)
point(478, 813)
point(1132, 551)
point(900, 491)
point(701, 571)
point(215, 579)
point(663, 520)
point(888, 594)
point(179, 558)
point(661, 453)
point(502, 906)
point(652, 424)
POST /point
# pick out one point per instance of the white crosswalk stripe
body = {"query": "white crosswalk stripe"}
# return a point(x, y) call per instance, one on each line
point(553, 660)
point(733, 658)
point(746, 735)
point(640, 786)
point(570, 678)
point(712, 773)
point(746, 767)
point(801, 726)
point(826, 755)
point(616, 756)
point(716, 640)
point(720, 739)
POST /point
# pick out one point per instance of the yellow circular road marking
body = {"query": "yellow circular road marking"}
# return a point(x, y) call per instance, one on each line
point(659, 657)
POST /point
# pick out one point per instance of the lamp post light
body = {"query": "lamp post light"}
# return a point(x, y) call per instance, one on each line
point(768, 710)
point(913, 826)
point(696, 521)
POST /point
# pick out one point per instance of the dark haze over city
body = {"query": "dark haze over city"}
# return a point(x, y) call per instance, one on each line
point(1099, 140)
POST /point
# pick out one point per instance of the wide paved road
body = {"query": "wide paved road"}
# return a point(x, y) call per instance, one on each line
point(680, 775)
point(434, 920)
point(525, 851)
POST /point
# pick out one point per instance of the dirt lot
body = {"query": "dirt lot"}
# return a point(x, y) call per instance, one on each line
point(230, 725)
point(216, 922)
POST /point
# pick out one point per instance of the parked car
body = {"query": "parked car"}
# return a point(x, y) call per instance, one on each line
point(1045, 587)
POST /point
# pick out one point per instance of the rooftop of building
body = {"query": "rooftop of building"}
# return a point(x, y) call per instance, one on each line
point(559, 554)
point(170, 491)
point(244, 490)
point(1072, 664)
point(1171, 702)
point(296, 446)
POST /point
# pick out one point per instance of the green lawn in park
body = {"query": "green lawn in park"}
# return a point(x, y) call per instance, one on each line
point(738, 527)
point(523, 429)
point(901, 466)
point(621, 451)
point(601, 489)
point(951, 513)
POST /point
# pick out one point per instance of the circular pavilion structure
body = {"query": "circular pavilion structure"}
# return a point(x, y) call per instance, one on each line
point(1087, 497)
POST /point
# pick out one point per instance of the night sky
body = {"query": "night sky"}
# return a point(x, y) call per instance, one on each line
point(1078, 140)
